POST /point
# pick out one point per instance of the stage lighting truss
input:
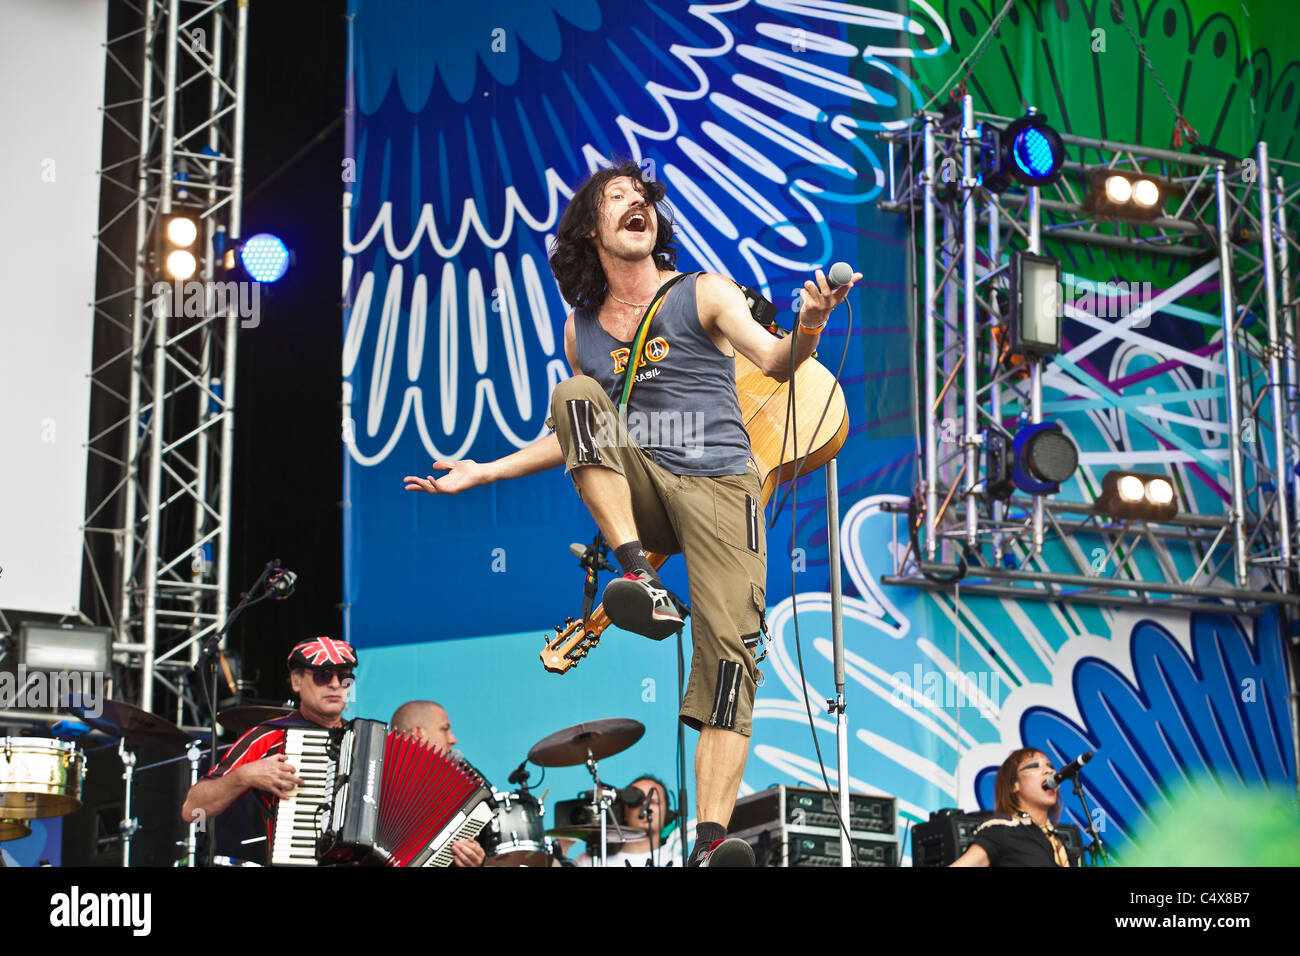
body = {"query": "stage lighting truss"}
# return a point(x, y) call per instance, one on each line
point(163, 433)
point(1221, 529)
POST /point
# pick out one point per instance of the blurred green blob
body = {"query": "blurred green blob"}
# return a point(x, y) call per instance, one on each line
point(1206, 825)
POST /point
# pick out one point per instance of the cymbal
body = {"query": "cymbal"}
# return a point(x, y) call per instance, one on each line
point(604, 738)
point(591, 831)
point(139, 728)
point(13, 830)
point(240, 720)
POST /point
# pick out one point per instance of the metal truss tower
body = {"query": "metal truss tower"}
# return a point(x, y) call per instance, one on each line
point(1223, 425)
point(157, 530)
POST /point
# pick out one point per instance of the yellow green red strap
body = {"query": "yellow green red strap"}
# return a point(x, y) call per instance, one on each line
point(639, 341)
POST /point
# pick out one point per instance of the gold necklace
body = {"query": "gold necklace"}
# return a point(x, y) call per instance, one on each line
point(635, 305)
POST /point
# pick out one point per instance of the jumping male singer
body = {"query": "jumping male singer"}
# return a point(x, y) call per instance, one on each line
point(692, 487)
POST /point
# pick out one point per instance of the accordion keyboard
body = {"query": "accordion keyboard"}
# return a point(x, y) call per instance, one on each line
point(301, 816)
point(464, 826)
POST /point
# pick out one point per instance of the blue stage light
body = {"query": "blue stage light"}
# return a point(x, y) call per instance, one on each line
point(265, 257)
point(1028, 150)
point(1033, 153)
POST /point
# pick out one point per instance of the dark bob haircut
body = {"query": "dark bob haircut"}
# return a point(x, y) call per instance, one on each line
point(1005, 800)
point(574, 260)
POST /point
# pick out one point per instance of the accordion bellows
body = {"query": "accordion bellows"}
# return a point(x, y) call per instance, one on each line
point(423, 792)
point(385, 798)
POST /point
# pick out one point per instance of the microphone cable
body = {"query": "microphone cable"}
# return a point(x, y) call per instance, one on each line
point(791, 427)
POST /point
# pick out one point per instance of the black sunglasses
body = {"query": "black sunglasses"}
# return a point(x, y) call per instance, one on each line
point(321, 677)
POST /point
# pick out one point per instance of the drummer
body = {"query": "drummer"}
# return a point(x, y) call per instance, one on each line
point(427, 722)
point(644, 826)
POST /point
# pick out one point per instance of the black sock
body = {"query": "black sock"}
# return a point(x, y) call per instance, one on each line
point(706, 834)
point(631, 558)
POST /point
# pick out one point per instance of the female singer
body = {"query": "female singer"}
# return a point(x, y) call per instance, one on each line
point(1022, 833)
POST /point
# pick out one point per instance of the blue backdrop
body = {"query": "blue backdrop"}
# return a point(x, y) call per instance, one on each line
point(468, 130)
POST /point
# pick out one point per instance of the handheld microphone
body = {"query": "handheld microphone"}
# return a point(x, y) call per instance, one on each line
point(839, 274)
point(281, 583)
point(1069, 770)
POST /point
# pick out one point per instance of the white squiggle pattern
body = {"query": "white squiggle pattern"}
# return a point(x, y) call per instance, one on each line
point(924, 753)
point(699, 173)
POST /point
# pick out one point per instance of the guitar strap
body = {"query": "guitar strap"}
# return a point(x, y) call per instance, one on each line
point(763, 312)
point(639, 341)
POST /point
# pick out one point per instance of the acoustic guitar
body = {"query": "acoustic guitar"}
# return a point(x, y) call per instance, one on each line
point(763, 409)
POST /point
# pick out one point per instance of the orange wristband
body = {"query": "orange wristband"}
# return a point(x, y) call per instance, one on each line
point(812, 331)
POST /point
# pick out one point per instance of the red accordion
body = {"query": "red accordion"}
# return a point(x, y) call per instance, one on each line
point(384, 798)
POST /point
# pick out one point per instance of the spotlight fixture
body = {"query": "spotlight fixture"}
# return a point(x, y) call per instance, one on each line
point(1034, 309)
point(55, 647)
point(1027, 150)
point(181, 264)
point(1041, 456)
point(1132, 495)
point(1120, 194)
point(181, 231)
point(177, 254)
point(265, 257)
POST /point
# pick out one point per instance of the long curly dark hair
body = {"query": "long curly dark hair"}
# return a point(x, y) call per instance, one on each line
point(574, 260)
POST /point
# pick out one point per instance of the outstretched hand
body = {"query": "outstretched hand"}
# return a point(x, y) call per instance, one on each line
point(819, 299)
point(461, 476)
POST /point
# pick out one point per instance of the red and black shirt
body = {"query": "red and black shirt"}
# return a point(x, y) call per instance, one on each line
point(264, 740)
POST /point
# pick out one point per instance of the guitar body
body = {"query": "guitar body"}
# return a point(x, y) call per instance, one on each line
point(763, 404)
point(819, 426)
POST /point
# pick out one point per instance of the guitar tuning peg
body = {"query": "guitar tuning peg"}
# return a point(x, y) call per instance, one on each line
point(568, 620)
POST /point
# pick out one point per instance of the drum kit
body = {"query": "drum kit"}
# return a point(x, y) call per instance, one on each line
point(39, 778)
point(42, 777)
point(517, 837)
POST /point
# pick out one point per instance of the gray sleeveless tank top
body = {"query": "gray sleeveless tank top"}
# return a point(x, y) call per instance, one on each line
point(683, 409)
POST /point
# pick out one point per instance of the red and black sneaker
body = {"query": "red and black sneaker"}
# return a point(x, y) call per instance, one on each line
point(732, 851)
point(640, 604)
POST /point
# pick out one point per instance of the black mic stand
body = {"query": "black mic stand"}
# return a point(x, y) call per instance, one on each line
point(1097, 853)
point(593, 559)
point(685, 612)
point(209, 653)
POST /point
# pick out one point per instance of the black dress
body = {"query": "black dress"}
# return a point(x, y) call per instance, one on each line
point(1014, 841)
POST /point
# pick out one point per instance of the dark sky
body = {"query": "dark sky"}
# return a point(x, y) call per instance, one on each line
point(288, 464)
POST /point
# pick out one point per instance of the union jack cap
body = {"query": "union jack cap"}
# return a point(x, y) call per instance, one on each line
point(322, 652)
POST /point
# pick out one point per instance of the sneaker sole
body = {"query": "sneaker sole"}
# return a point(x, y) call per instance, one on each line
point(732, 852)
point(630, 608)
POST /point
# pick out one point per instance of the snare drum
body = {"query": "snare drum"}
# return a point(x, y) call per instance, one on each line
point(516, 836)
point(39, 777)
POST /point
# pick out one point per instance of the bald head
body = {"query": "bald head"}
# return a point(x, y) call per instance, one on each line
point(427, 721)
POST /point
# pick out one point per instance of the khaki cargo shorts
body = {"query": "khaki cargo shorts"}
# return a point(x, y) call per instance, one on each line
point(716, 522)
